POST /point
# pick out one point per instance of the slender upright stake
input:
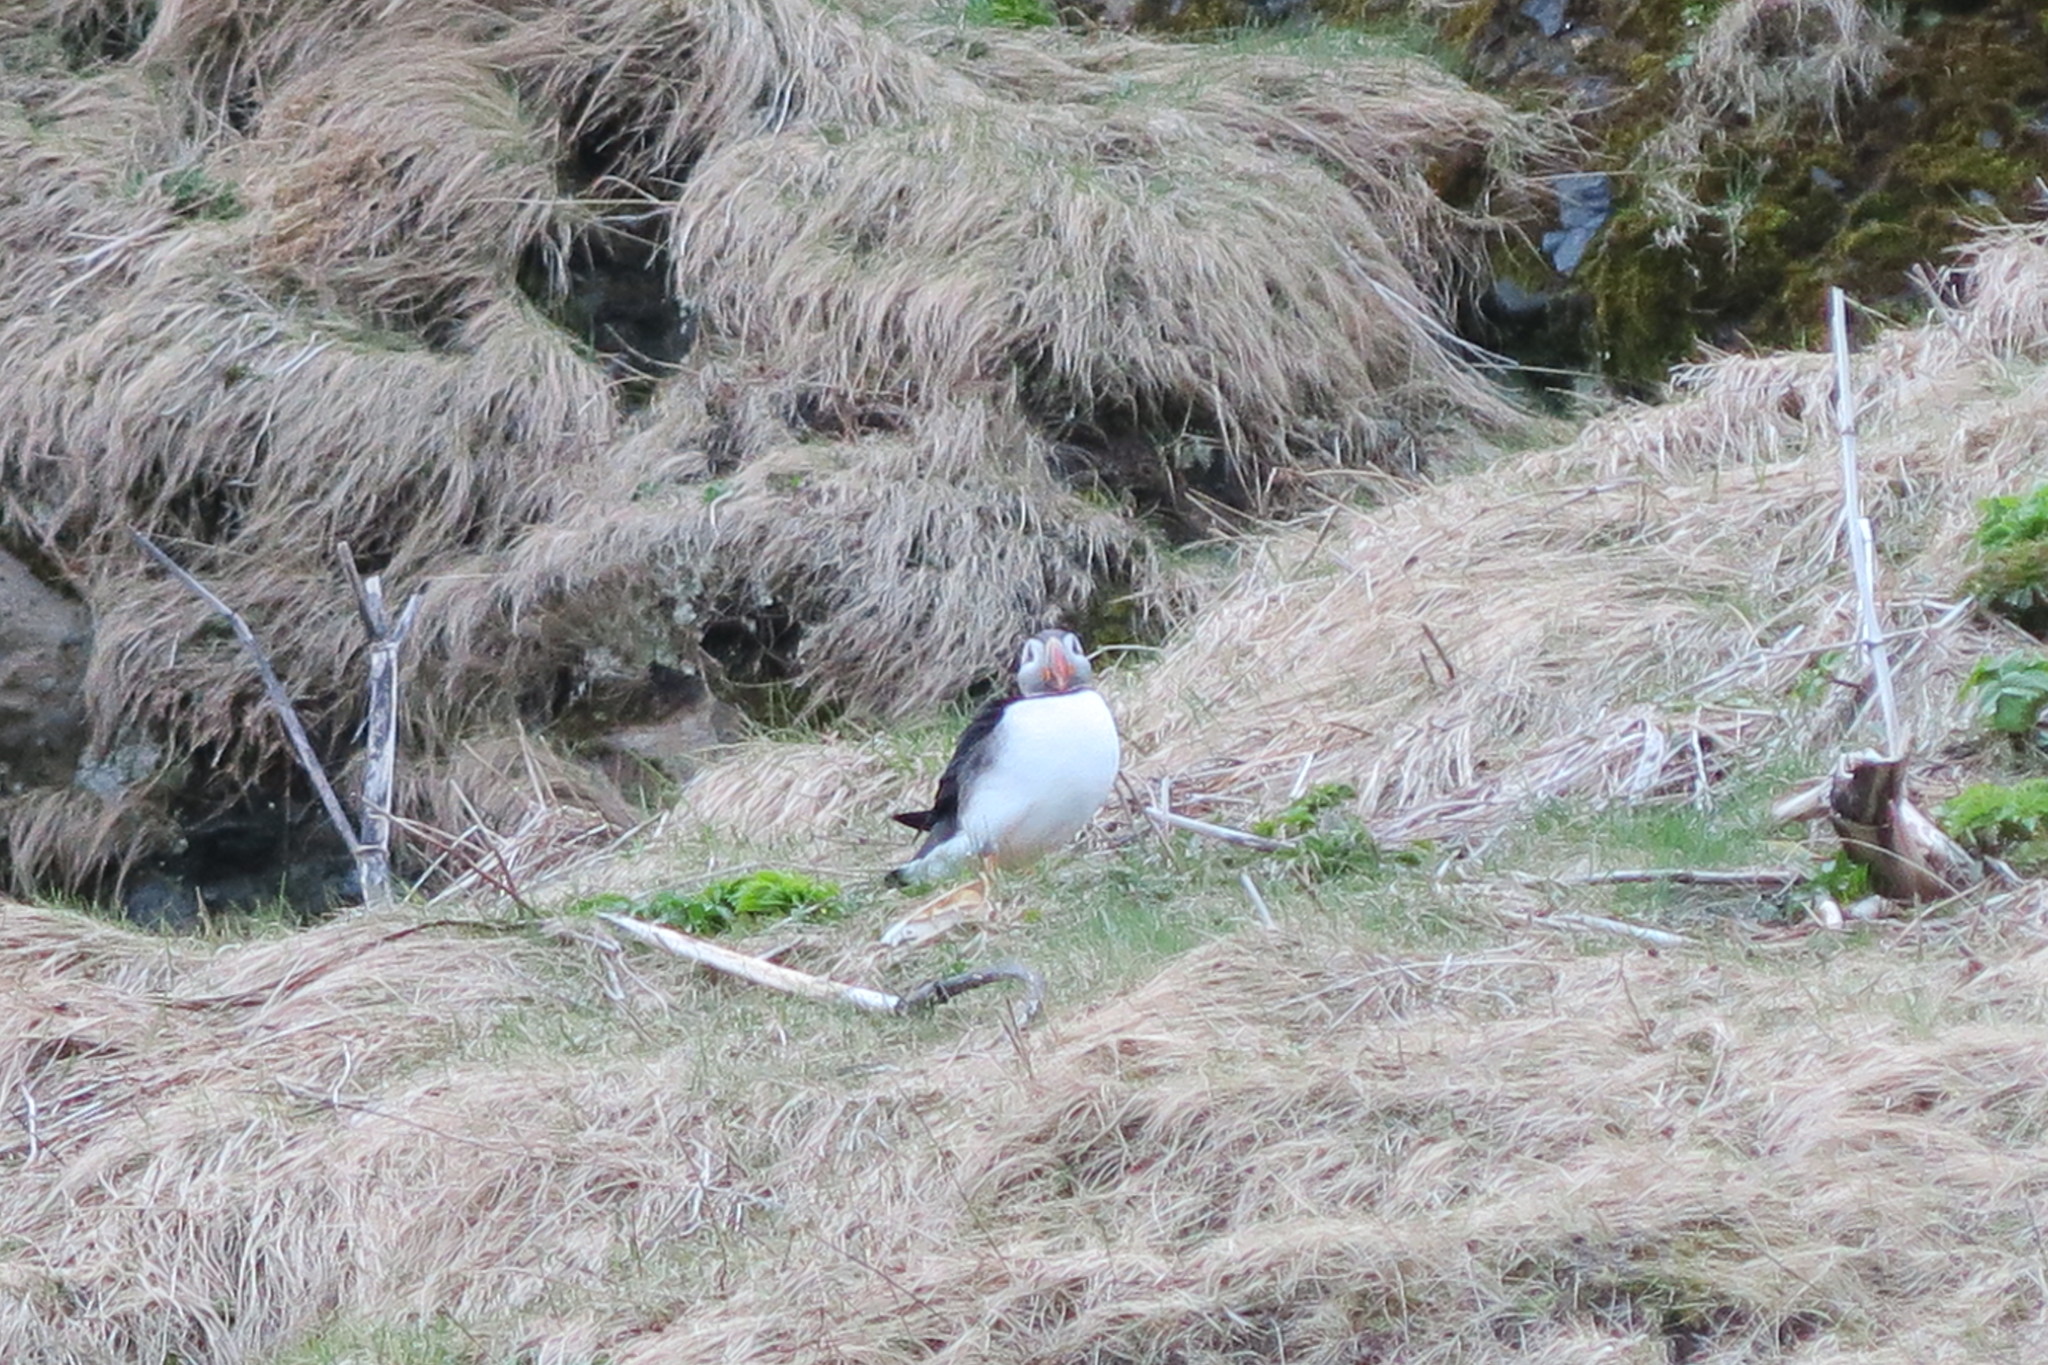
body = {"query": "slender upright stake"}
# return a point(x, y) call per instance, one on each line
point(1856, 527)
point(380, 726)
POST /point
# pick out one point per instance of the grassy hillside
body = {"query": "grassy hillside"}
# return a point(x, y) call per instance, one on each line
point(911, 328)
point(1438, 1112)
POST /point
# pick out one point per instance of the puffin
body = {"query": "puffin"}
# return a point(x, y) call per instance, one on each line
point(1029, 771)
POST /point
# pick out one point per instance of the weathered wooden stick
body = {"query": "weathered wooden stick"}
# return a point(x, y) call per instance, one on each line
point(1762, 878)
point(775, 976)
point(1601, 924)
point(380, 725)
point(1228, 835)
point(280, 700)
point(1856, 526)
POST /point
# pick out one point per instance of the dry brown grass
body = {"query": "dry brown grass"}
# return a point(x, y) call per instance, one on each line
point(1771, 60)
point(1626, 612)
point(1630, 616)
point(962, 306)
point(1287, 1147)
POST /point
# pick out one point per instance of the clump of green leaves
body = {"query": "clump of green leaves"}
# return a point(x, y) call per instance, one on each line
point(739, 902)
point(1306, 811)
point(1326, 840)
point(2011, 576)
point(2010, 820)
point(2011, 692)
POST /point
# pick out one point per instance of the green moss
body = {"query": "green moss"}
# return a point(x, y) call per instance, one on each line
point(742, 902)
point(1787, 208)
point(1643, 300)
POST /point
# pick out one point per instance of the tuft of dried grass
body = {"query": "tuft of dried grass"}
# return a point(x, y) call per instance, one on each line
point(1767, 60)
point(1282, 1145)
point(960, 308)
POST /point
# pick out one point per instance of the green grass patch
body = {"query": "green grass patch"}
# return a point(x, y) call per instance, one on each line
point(1011, 13)
point(436, 1343)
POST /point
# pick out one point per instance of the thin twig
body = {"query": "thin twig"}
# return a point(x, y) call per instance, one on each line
point(1251, 891)
point(1308, 761)
point(1450, 669)
point(1762, 878)
point(1243, 838)
point(1601, 924)
point(280, 700)
point(939, 991)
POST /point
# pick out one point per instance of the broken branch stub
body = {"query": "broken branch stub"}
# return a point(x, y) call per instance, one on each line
point(370, 846)
point(1908, 856)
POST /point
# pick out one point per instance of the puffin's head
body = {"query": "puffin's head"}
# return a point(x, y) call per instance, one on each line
point(1052, 661)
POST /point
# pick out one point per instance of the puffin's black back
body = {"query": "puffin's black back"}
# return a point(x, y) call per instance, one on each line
point(970, 755)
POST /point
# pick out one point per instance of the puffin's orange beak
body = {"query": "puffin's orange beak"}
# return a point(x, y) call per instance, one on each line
point(1059, 669)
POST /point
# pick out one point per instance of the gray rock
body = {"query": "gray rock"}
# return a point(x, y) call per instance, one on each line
point(1584, 201)
point(1548, 14)
point(45, 638)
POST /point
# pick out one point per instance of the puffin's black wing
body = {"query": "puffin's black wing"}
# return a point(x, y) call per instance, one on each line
point(970, 755)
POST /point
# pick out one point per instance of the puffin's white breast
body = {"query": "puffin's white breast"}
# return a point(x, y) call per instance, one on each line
point(1052, 765)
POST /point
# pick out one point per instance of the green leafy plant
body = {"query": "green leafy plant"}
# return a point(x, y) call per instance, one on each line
point(1306, 811)
point(2011, 820)
point(195, 194)
point(2011, 575)
point(2010, 521)
point(2011, 692)
point(733, 903)
point(1325, 840)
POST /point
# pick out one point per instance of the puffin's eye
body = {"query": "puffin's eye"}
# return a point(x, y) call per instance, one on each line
point(1034, 653)
point(1071, 643)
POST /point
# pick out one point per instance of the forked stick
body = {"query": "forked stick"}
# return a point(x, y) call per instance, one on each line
point(369, 847)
